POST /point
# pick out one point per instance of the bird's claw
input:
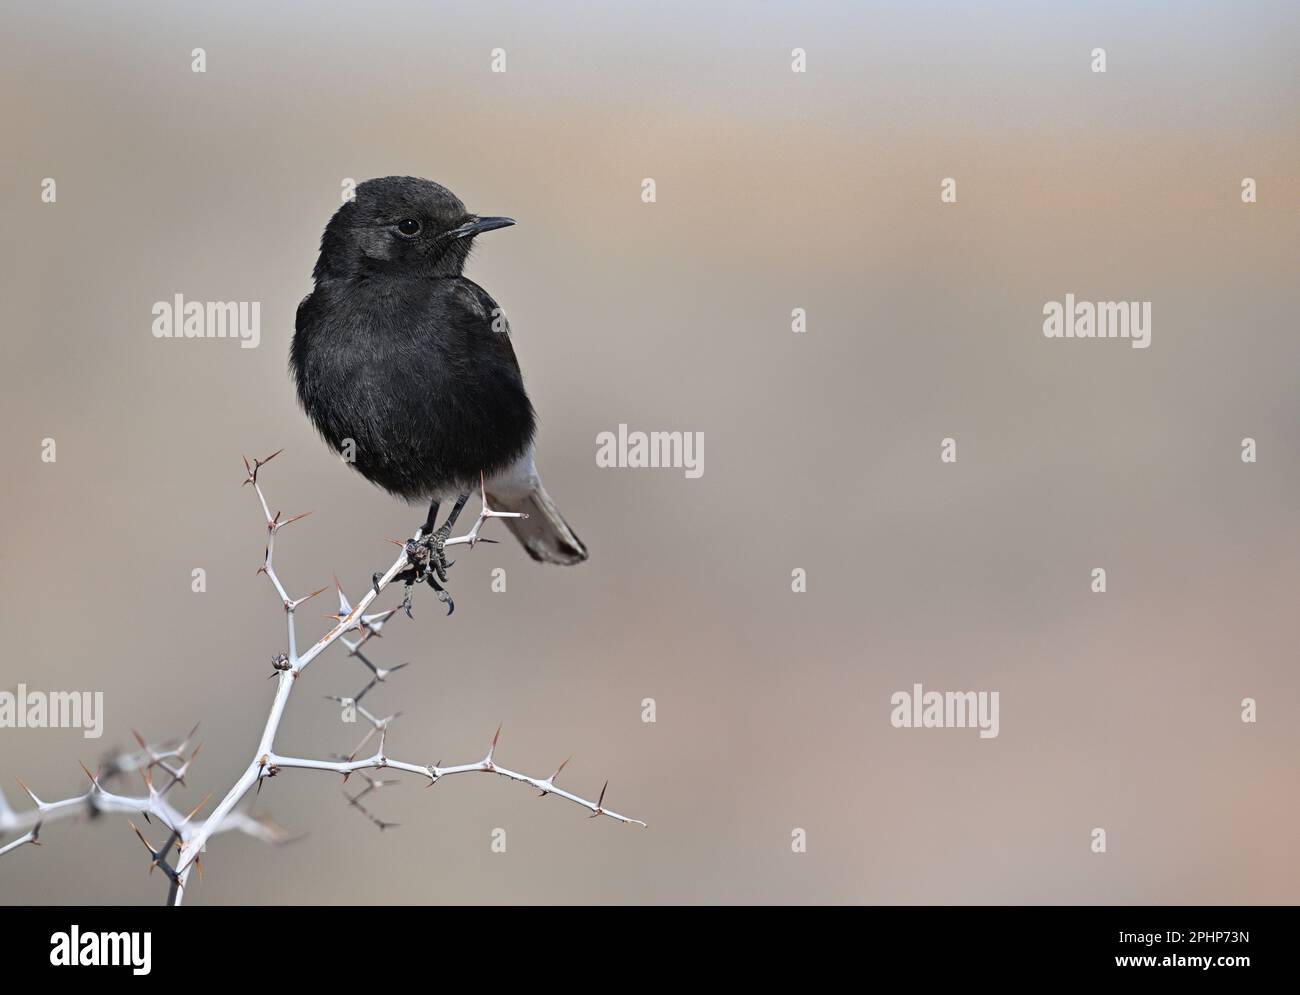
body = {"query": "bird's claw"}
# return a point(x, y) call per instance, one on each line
point(445, 597)
point(427, 561)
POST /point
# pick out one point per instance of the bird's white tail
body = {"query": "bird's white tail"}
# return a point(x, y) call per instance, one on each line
point(544, 533)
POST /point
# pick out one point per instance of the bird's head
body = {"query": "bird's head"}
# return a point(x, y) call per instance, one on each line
point(403, 226)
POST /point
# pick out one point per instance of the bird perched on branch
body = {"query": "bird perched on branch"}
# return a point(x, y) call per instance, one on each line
point(406, 365)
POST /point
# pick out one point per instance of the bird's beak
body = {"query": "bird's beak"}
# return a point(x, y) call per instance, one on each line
point(480, 225)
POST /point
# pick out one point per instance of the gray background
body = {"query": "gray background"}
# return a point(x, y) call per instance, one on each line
point(775, 191)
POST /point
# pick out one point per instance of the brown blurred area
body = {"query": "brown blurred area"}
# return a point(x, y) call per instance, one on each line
point(775, 190)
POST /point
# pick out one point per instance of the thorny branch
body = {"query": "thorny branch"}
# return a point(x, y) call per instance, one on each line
point(185, 837)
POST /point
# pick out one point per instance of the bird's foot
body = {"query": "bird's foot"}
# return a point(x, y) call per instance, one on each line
point(427, 562)
point(426, 557)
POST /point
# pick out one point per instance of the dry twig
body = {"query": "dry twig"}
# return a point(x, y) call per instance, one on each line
point(185, 835)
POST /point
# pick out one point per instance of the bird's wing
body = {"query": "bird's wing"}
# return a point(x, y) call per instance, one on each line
point(483, 318)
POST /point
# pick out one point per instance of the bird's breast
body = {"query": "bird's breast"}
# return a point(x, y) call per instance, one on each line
point(414, 401)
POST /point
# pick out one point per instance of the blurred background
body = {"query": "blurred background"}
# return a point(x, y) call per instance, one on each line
point(775, 190)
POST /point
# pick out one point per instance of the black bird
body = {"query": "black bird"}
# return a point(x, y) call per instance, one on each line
point(407, 365)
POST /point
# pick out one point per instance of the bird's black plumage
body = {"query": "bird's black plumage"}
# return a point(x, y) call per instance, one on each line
point(398, 352)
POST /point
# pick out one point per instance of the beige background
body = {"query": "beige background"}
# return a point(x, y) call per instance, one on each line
point(775, 191)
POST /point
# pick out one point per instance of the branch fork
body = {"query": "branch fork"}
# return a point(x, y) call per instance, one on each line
point(186, 839)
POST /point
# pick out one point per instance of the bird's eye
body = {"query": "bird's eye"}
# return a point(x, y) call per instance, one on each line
point(409, 227)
